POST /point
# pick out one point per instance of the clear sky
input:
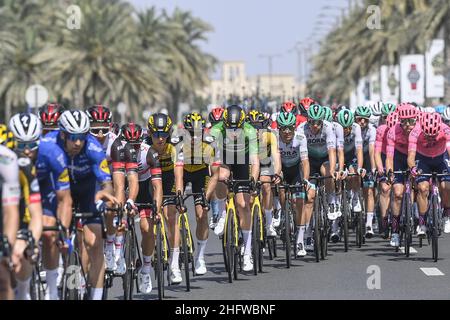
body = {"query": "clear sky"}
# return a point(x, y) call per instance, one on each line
point(245, 29)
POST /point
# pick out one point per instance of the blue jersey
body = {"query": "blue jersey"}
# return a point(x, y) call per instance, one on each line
point(90, 162)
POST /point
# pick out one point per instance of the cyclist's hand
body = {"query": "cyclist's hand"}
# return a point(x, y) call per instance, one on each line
point(106, 196)
point(333, 174)
point(362, 172)
point(276, 179)
point(131, 208)
point(414, 172)
point(309, 185)
point(343, 174)
point(380, 171)
point(18, 254)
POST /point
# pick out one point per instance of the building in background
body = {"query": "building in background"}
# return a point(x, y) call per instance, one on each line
point(233, 81)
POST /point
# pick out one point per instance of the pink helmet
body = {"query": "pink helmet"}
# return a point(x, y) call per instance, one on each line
point(392, 119)
point(431, 123)
point(407, 111)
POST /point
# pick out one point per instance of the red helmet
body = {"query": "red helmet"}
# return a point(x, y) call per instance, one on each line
point(305, 104)
point(132, 133)
point(99, 113)
point(392, 119)
point(216, 115)
point(289, 107)
point(50, 113)
point(407, 111)
point(431, 123)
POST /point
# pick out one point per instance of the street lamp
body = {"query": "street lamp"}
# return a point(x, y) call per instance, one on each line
point(270, 58)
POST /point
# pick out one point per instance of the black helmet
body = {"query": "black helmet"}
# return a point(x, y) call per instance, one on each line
point(233, 117)
point(160, 122)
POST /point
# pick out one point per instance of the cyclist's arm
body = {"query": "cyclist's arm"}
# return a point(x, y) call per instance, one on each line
point(64, 209)
point(10, 195)
point(253, 151)
point(306, 168)
point(358, 145)
point(156, 173)
point(378, 148)
point(331, 146)
point(179, 170)
point(390, 149)
point(275, 152)
point(372, 155)
point(131, 167)
point(215, 169)
point(29, 181)
point(412, 147)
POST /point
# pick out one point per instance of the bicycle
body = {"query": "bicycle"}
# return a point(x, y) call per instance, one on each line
point(187, 243)
point(358, 219)
point(434, 221)
point(320, 219)
point(162, 247)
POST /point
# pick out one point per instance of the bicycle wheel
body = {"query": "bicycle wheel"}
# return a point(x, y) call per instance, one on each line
point(73, 292)
point(185, 252)
point(229, 246)
point(256, 240)
point(287, 232)
point(324, 229)
point(409, 224)
point(316, 222)
point(130, 258)
point(345, 217)
point(159, 268)
point(35, 284)
point(435, 227)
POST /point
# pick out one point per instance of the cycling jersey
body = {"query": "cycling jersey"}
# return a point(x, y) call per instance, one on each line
point(291, 153)
point(267, 140)
point(91, 160)
point(397, 139)
point(381, 139)
point(9, 178)
point(369, 136)
point(352, 142)
point(52, 173)
point(339, 132)
point(170, 157)
point(318, 144)
point(30, 189)
point(197, 155)
point(238, 150)
point(427, 147)
point(122, 156)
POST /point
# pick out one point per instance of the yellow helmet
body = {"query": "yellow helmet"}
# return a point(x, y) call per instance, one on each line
point(194, 121)
point(6, 137)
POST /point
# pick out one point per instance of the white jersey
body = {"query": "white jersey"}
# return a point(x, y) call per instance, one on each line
point(369, 136)
point(290, 156)
point(110, 138)
point(143, 166)
point(354, 140)
point(318, 144)
point(9, 178)
point(339, 132)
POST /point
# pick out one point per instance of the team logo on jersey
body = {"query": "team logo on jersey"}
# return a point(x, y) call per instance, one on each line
point(104, 167)
point(64, 177)
point(23, 162)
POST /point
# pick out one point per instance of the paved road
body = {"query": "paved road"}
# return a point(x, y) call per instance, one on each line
point(341, 276)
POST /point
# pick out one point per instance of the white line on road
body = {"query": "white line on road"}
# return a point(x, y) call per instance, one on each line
point(411, 250)
point(432, 272)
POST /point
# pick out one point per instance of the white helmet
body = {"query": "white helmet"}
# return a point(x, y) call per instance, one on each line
point(429, 110)
point(446, 114)
point(377, 108)
point(74, 122)
point(26, 127)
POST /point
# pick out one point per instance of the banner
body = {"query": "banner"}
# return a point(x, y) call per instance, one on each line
point(390, 84)
point(434, 62)
point(412, 78)
point(363, 91)
point(375, 90)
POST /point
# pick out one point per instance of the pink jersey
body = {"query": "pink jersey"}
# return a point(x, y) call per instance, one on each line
point(381, 140)
point(430, 148)
point(397, 139)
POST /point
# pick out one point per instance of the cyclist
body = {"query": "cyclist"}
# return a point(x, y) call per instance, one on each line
point(380, 160)
point(270, 164)
point(160, 128)
point(304, 105)
point(49, 115)
point(290, 107)
point(150, 188)
point(295, 165)
point(27, 130)
point(369, 134)
point(397, 160)
point(9, 216)
point(375, 113)
point(446, 116)
point(123, 164)
point(429, 151)
point(237, 140)
point(321, 145)
point(199, 160)
point(88, 167)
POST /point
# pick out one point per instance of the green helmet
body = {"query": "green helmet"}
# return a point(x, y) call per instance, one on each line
point(345, 118)
point(328, 114)
point(388, 108)
point(316, 112)
point(286, 119)
point(363, 112)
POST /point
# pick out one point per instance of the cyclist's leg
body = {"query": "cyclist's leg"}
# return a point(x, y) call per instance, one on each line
point(444, 189)
point(221, 193)
point(369, 193)
point(426, 166)
point(385, 197)
point(267, 199)
point(50, 250)
point(6, 292)
point(22, 273)
point(94, 248)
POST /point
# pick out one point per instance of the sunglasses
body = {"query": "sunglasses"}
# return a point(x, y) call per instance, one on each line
point(159, 134)
point(315, 122)
point(96, 131)
point(405, 122)
point(287, 129)
point(77, 136)
point(21, 146)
